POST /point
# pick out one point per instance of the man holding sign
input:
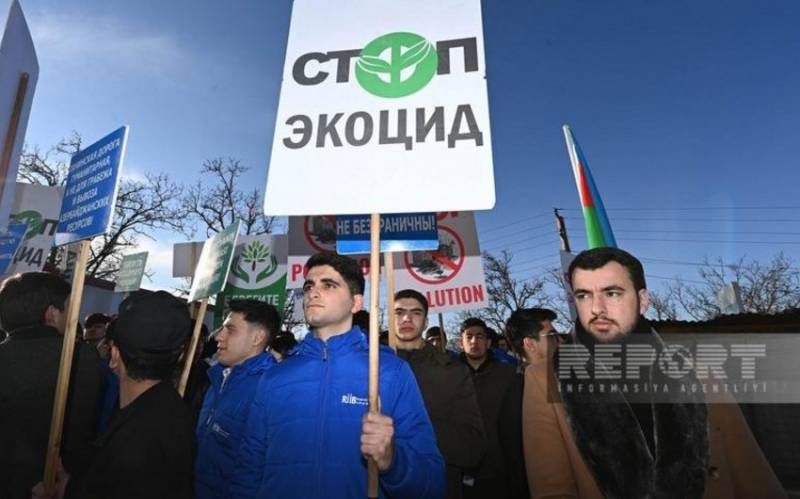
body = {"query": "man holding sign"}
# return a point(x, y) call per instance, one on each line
point(311, 410)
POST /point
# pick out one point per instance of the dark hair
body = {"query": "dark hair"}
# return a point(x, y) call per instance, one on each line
point(283, 343)
point(361, 319)
point(258, 313)
point(152, 366)
point(96, 318)
point(473, 321)
point(24, 298)
point(595, 258)
point(414, 295)
point(526, 323)
point(346, 267)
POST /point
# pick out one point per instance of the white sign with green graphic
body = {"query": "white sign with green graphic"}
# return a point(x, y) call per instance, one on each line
point(390, 96)
point(38, 206)
point(258, 272)
point(131, 271)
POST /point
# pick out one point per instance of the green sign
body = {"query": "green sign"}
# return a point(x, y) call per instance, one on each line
point(131, 271)
point(411, 64)
point(215, 262)
point(258, 272)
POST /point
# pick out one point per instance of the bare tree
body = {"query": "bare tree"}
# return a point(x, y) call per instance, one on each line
point(142, 205)
point(222, 201)
point(766, 288)
point(505, 293)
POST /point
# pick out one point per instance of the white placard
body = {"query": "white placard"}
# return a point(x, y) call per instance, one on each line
point(358, 74)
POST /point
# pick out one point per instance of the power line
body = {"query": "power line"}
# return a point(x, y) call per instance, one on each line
point(721, 232)
point(516, 222)
point(517, 233)
point(512, 243)
point(696, 208)
point(651, 219)
point(677, 279)
point(717, 241)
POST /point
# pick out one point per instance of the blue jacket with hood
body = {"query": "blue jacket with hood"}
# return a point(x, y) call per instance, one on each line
point(304, 430)
point(220, 426)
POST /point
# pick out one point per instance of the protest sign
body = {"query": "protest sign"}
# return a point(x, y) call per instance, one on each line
point(258, 272)
point(10, 241)
point(20, 71)
point(390, 96)
point(451, 277)
point(185, 257)
point(37, 206)
point(215, 263)
point(399, 232)
point(131, 271)
point(87, 209)
point(311, 235)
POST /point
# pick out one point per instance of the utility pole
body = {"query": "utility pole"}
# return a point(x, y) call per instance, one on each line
point(562, 230)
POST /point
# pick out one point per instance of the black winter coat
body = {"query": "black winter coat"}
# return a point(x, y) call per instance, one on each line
point(147, 452)
point(501, 474)
point(29, 361)
point(449, 395)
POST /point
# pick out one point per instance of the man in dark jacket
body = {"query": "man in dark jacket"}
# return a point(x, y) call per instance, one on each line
point(499, 391)
point(148, 448)
point(33, 311)
point(446, 387)
point(241, 345)
point(309, 434)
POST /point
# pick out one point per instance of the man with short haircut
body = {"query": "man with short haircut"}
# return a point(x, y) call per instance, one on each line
point(617, 444)
point(310, 435)
point(446, 387)
point(532, 334)
point(33, 311)
point(148, 448)
point(499, 391)
point(94, 327)
point(242, 359)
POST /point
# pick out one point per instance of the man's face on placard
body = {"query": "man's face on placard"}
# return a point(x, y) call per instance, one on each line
point(608, 305)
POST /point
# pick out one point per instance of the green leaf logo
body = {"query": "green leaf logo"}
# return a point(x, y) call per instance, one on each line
point(396, 65)
point(255, 253)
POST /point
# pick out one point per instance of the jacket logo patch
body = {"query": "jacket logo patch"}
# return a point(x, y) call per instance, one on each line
point(353, 400)
point(218, 430)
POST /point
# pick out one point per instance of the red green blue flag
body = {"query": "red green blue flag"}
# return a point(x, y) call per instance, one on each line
point(598, 229)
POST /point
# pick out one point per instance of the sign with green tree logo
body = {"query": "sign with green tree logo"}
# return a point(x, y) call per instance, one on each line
point(258, 272)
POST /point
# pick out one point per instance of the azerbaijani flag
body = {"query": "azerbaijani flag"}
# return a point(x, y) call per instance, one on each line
point(598, 230)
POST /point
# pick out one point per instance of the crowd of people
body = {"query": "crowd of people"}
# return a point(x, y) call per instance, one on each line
point(266, 417)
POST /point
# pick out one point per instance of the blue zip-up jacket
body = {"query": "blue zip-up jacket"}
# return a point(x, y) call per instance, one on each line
point(303, 437)
point(221, 424)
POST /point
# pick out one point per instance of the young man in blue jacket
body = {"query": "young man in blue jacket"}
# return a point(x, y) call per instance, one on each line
point(309, 433)
point(241, 344)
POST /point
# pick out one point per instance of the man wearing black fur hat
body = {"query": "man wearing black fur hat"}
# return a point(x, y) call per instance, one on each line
point(590, 443)
point(148, 448)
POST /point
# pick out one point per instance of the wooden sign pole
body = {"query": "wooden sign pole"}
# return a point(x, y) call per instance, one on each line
point(187, 362)
point(11, 133)
point(62, 385)
point(374, 338)
point(388, 262)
